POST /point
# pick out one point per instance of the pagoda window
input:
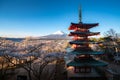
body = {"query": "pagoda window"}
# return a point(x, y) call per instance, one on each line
point(88, 69)
point(76, 69)
point(82, 70)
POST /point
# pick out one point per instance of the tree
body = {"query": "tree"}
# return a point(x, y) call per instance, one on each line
point(6, 58)
point(32, 53)
point(111, 43)
point(48, 67)
point(112, 35)
point(40, 67)
point(36, 62)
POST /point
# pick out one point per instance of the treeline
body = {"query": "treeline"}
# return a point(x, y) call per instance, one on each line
point(110, 44)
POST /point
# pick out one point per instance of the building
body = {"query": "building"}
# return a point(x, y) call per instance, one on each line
point(84, 66)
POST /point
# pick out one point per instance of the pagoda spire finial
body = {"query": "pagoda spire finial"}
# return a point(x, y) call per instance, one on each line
point(80, 14)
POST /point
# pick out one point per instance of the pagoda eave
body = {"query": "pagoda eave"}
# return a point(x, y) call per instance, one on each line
point(81, 42)
point(82, 34)
point(77, 32)
point(87, 63)
point(81, 49)
point(86, 52)
point(82, 25)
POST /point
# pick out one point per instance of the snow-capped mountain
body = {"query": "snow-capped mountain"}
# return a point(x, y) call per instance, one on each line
point(56, 35)
point(59, 33)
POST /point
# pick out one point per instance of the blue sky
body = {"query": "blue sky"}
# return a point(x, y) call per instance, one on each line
point(20, 18)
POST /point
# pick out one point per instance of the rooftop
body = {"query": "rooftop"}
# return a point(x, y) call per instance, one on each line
point(82, 25)
point(88, 62)
point(86, 52)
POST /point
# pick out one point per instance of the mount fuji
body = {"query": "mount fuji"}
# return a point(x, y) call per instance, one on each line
point(56, 35)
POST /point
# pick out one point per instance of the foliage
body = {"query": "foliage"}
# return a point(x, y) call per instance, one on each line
point(111, 44)
point(32, 57)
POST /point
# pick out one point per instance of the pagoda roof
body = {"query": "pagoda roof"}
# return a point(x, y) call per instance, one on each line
point(89, 62)
point(82, 25)
point(80, 42)
point(91, 52)
point(78, 32)
point(84, 33)
point(83, 49)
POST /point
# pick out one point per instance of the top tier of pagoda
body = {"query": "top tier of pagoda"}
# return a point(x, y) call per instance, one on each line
point(75, 26)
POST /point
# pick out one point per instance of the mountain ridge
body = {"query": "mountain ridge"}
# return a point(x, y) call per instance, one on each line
point(56, 35)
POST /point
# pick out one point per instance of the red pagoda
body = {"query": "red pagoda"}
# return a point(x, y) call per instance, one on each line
point(83, 67)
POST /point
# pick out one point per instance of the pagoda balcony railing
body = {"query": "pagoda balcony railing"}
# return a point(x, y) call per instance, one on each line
point(79, 46)
point(83, 49)
point(82, 59)
point(82, 30)
point(80, 38)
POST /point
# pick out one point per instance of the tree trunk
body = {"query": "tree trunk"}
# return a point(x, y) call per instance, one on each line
point(29, 75)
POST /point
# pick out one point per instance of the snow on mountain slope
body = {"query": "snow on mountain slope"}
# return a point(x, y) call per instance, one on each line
point(56, 35)
point(59, 33)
